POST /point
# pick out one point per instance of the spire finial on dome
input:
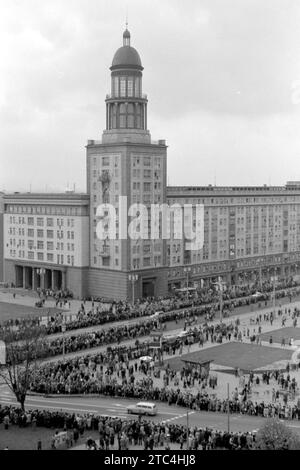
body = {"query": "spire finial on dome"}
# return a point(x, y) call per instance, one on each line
point(126, 38)
point(126, 35)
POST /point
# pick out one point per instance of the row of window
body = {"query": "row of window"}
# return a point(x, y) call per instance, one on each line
point(146, 161)
point(127, 116)
point(146, 187)
point(222, 267)
point(40, 245)
point(146, 262)
point(50, 246)
point(39, 256)
point(105, 261)
point(51, 210)
point(136, 249)
point(107, 160)
point(239, 252)
point(126, 87)
point(136, 262)
point(40, 221)
point(41, 233)
point(274, 201)
point(147, 198)
point(115, 173)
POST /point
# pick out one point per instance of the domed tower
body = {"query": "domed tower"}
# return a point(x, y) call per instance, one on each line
point(126, 169)
point(126, 106)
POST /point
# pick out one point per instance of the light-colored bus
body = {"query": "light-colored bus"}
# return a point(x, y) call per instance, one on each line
point(143, 408)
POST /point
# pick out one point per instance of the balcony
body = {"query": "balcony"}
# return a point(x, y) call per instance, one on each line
point(104, 252)
point(126, 98)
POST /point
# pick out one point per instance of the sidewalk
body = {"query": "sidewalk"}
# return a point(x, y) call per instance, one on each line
point(29, 298)
point(173, 446)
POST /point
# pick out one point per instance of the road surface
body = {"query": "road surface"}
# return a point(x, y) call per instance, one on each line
point(117, 407)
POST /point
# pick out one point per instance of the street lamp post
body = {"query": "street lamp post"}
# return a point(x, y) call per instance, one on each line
point(220, 285)
point(63, 329)
point(187, 270)
point(262, 264)
point(4, 271)
point(133, 279)
point(296, 272)
point(274, 279)
point(187, 431)
point(228, 410)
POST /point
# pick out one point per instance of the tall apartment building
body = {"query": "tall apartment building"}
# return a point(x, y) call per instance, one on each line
point(126, 163)
point(1, 237)
point(54, 240)
point(46, 241)
point(250, 233)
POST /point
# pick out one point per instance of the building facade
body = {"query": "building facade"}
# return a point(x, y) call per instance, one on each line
point(250, 234)
point(65, 240)
point(1, 237)
point(46, 241)
point(126, 165)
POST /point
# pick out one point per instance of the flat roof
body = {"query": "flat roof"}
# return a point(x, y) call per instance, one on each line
point(199, 362)
point(210, 190)
point(36, 197)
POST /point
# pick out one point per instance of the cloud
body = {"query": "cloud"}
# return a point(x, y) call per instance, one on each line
point(218, 74)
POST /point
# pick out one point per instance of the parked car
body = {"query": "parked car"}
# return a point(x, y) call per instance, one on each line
point(143, 408)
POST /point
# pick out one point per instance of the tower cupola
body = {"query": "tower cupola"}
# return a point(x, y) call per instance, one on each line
point(126, 105)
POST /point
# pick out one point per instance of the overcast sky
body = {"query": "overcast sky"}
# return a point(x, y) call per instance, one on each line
point(222, 79)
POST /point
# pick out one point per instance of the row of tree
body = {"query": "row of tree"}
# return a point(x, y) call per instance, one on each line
point(20, 360)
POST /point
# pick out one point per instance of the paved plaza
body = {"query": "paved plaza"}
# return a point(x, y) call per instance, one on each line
point(243, 356)
point(282, 333)
point(13, 311)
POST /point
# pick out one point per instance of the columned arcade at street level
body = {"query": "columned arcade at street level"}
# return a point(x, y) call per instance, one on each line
point(35, 277)
point(232, 275)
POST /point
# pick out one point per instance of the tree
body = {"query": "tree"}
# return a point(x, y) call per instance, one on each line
point(275, 435)
point(21, 359)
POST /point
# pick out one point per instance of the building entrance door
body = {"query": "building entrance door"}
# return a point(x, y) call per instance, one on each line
point(59, 280)
point(149, 288)
point(28, 278)
point(48, 279)
point(19, 276)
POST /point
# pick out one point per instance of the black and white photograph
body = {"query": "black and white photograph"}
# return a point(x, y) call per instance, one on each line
point(149, 228)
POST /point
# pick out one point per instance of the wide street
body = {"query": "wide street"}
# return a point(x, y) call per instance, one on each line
point(172, 325)
point(118, 407)
point(174, 328)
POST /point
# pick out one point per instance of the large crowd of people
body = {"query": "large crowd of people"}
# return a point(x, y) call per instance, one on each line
point(116, 335)
point(200, 401)
point(204, 302)
point(198, 333)
point(124, 434)
point(99, 374)
point(117, 371)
